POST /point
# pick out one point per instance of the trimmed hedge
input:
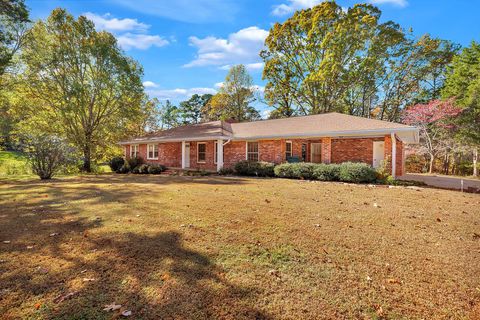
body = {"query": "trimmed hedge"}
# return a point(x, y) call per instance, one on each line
point(299, 170)
point(357, 172)
point(156, 168)
point(116, 163)
point(347, 171)
point(253, 168)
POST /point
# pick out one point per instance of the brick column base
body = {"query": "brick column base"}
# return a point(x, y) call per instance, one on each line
point(326, 150)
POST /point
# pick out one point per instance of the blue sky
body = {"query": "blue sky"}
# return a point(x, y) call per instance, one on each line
point(186, 46)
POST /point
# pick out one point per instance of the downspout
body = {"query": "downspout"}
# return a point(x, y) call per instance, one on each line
point(228, 141)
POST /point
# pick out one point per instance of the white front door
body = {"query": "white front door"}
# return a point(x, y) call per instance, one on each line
point(187, 154)
point(378, 153)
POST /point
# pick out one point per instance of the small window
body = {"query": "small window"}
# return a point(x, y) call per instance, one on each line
point(134, 151)
point(288, 149)
point(152, 151)
point(252, 151)
point(201, 152)
point(304, 152)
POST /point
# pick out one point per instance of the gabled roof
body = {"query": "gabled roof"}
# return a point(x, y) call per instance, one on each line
point(321, 125)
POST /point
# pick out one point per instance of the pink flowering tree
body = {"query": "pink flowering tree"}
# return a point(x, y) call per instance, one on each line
point(434, 119)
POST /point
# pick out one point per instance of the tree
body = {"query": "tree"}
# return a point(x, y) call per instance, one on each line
point(463, 83)
point(169, 116)
point(234, 98)
point(80, 84)
point(190, 111)
point(328, 59)
point(435, 123)
point(13, 23)
point(47, 155)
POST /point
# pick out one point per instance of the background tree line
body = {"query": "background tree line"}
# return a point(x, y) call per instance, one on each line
point(63, 78)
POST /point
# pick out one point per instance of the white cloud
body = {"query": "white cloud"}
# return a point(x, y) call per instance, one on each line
point(265, 114)
point(294, 5)
point(218, 85)
point(108, 23)
point(140, 41)
point(242, 47)
point(150, 84)
point(398, 3)
point(130, 33)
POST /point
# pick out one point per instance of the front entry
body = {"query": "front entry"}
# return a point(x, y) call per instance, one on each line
point(316, 152)
point(378, 153)
point(187, 154)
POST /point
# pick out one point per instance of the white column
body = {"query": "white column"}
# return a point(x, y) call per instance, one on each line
point(183, 155)
point(394, 154)
point(219, 154)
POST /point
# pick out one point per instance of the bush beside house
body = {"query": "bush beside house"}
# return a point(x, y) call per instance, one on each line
point(135, 165)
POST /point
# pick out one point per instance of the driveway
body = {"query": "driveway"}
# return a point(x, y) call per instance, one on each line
point(444, 181)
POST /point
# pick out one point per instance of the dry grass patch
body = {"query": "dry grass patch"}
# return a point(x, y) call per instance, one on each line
point(236, 248)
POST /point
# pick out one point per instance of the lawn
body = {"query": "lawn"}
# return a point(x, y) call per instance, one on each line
point(235, 248)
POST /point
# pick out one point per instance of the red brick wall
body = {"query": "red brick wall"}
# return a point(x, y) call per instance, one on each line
point(341, 150)
point(353, 149)
point(209, 157)
point(233, 152)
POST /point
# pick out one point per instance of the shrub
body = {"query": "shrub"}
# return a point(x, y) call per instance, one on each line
point(156, 168)
point(135, 162)
point(326, 172)
point(116, 163)
point(356, 172)
point(141, 169)
point(48, 155)
point(125, 168)
point(253, 168)
point(226, 171)
point(300, 170)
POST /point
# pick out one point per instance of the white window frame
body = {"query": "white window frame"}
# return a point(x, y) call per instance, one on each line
point(291, 149)
point(215, 153)
point(198, 149)
point(132, 147)
point(258, 150)
point(148, 151)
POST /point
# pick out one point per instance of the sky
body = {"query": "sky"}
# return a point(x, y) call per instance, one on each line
point(187, 46)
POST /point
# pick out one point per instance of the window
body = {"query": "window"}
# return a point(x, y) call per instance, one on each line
point(288, 149)
point(252, 151)
point(134, 151)
point(152, 151)
point(304, 152)
point(201, 152)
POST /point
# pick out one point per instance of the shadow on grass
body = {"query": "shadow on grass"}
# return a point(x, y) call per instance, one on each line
point(156, 275)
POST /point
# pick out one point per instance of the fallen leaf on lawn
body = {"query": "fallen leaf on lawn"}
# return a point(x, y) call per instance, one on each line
point(274, 272)
point(392, 280)
point(29, 247)
point(127, 313)
point(88, 279)
point(54, 234)
point(38, 305)
point(64, 297)
point(165, 277)
point(6, 241)
point(369, 279)
point(112, 307)
point(42, 270)
point(267, 201)
point(439, 220)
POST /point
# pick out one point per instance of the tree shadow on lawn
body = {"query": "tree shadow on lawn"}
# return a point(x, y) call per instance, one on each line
point(154, 276)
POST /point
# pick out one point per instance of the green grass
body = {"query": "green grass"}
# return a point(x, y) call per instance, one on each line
point(13, 164)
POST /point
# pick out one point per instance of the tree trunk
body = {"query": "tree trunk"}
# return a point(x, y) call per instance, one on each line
point(475, 159)
point(430, 168)
point(87, 159)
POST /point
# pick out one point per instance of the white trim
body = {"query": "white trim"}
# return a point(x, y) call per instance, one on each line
point(332, 134)
point(199, 143)
point(183, 154)
point(148, 151)
point(258, 149)
point(394, 154)
point(137, 150)
point(219, 160)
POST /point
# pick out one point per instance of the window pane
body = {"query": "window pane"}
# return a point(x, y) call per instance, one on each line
point(202, 148)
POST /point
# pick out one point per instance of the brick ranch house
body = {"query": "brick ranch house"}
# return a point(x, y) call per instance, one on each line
point(324, 138)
